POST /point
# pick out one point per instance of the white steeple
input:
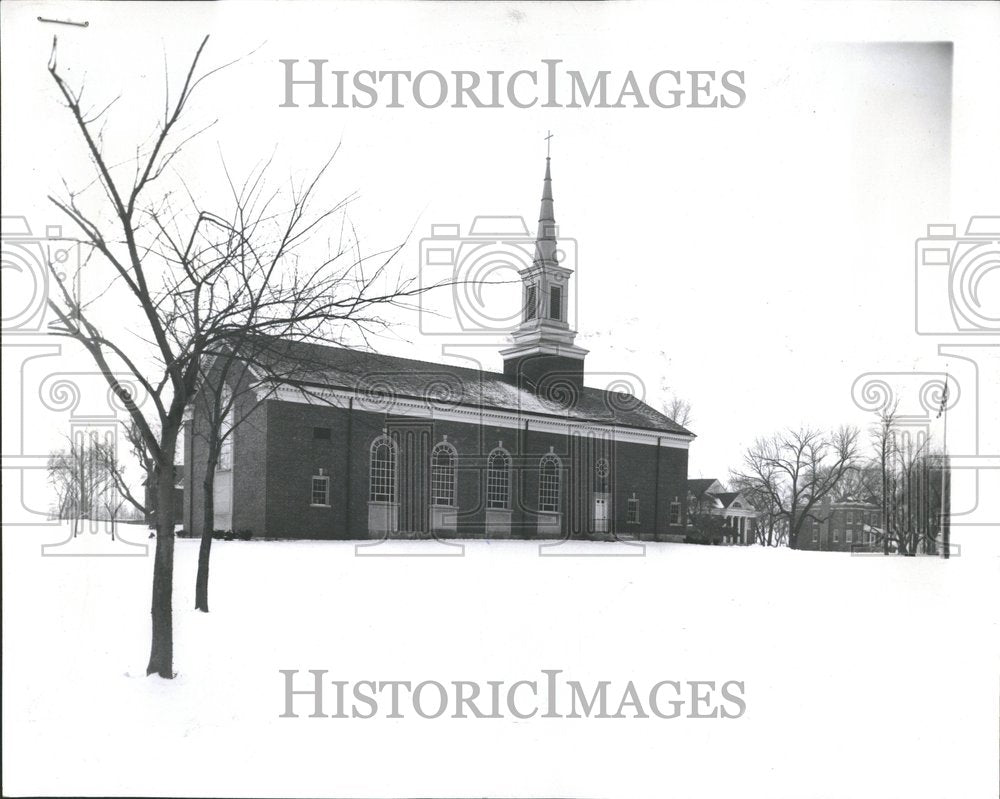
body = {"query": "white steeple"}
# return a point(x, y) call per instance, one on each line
point(543, 341)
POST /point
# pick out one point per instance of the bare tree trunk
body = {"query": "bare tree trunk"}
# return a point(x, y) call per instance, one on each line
point(793, 533)
point(885, 509)
point(207, 528)
point(161, 656)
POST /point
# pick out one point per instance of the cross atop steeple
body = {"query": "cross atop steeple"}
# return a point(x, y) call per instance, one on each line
point(548, 145)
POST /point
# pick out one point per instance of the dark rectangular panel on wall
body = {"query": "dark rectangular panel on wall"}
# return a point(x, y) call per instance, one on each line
point(412, 473)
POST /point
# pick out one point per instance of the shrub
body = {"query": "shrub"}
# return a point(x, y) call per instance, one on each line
point(709, 533)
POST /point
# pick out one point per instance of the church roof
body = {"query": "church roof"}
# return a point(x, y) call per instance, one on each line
point(443, 385)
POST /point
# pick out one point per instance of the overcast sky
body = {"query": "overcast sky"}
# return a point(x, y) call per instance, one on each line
point(754, 260)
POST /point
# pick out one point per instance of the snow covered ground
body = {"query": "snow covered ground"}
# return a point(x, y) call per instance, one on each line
point(863, 676)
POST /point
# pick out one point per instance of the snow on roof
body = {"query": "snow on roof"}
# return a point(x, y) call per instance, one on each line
point(391, 376)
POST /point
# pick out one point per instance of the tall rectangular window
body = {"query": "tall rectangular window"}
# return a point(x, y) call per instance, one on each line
point(225, 462)
point(849, 537)
point(555, 303)
point(498, 480)
point(181, 443)
point(382, 474)
point(443, 458)
point(632, 510)
point(320, 491)
point(675, 512)
point(548, 484)
point(530, 303)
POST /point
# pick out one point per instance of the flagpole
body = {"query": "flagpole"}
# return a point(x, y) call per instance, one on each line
point(945, 527)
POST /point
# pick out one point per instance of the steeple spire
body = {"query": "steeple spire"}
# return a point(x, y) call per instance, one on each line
point(543, 348)
point(545, 240)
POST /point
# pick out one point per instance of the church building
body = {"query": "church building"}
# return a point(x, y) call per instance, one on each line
point(365, 445)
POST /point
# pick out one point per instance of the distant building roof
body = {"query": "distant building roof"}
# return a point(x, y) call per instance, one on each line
point(727, 498)
point(853, 503)
point(708, 490)
point(389, 377)
point(700, 485)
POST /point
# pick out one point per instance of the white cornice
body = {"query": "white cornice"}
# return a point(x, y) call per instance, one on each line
point(544, 348)
point(472, 414)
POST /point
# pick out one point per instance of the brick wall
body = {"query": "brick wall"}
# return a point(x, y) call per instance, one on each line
point(828, 532)
point(295, 456)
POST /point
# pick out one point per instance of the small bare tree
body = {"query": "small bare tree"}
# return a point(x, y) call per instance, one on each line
point(81, 480)
point(235, 384)
point(679, 410)
point(110, 461)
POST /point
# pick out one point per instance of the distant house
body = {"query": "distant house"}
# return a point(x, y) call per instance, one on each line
point(841, 526)
point(707, 497)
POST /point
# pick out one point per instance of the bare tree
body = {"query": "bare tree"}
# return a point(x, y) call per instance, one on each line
point(767, 525)
point(860, 483)
point(192, 276)
point(113, 504)
point(914, 506)
point(679, 410)
point(110, 461)
point(235, 384)
point(884, 442)
point(80, 479)
point(60, 478)
point(795, 469)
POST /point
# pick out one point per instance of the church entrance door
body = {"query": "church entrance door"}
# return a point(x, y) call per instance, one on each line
point(600, 512)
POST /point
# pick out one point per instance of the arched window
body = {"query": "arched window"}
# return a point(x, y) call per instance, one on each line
point(383, 470)
point(443, 459)
point(548, 483)
point(498, 480)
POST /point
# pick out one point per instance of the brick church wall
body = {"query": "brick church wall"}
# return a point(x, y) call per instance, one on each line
point(280, 474)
